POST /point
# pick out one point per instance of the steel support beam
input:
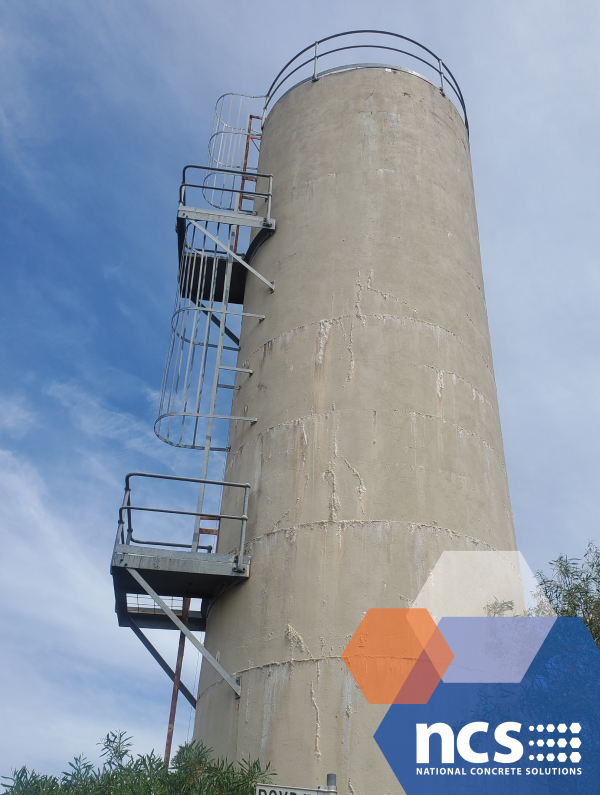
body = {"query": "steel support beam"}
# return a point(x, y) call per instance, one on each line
point(233, 684)
point(161, 661)
point(231, 253)
point(185, 614)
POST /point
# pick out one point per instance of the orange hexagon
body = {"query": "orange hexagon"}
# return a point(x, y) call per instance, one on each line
point(397, 655)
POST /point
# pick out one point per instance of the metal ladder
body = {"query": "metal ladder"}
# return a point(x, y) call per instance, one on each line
point(222, 209)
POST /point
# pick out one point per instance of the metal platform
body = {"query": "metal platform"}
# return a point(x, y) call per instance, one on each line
point(172, 572)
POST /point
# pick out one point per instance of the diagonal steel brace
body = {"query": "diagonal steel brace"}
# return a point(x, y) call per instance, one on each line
point(189, 635)
point(161, 661)
point(233, 254)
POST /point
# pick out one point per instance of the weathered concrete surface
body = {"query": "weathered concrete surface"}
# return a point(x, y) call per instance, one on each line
point(378, 443)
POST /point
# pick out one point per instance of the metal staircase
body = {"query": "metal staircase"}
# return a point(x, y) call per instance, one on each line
point(224, 208)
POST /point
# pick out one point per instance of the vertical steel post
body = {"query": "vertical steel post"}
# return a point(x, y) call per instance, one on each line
point(185, 613)
point(441, 71)
point(269, 200)
point(315, 75)
point(127, 502)
point(213, 397)
point(206, 337)
point(240, 556)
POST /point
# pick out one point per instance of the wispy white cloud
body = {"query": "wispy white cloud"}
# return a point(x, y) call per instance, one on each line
point(68, 673)
point(16, 418)
point(91, 417)
point(152, 397)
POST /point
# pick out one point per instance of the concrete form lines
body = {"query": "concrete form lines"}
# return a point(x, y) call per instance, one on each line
point(325, 325)
point(344, 523)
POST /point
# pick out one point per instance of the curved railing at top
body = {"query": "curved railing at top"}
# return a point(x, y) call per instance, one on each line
point(312, 64)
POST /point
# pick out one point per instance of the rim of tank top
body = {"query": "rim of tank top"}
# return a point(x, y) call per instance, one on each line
point(441, 70)
point(351, 67)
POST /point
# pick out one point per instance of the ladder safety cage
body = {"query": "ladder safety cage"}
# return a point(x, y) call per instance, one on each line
point(236, 132)
point(223, 217)
point(201, 369)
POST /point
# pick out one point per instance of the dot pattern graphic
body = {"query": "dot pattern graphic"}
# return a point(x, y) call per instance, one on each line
point(561, 742)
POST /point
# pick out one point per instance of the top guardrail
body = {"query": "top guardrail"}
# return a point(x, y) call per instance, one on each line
point(439, 73)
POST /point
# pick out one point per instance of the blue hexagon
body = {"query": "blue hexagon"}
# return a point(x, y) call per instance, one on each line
point(562, 684)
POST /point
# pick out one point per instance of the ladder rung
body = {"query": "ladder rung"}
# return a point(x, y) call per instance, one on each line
point(235, 369)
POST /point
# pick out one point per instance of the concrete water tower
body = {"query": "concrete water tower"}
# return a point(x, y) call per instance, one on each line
point(377, 443)
point(364, 429)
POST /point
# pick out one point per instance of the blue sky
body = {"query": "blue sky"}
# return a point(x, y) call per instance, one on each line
point(101, 104)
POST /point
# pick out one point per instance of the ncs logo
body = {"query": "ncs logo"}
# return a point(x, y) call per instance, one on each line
point(503, 737)
point(463, 742)
point(495, 704)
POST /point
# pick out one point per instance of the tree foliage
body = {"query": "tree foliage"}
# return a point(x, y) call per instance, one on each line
point(573, 588)
point(193, 771)
point(498, 608)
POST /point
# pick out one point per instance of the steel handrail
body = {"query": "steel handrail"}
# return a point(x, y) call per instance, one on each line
point(168, 544)
point(126, 509)
point(343, 49)
point(183, 480)
point(250, 176)
point(221, 170)
point(439, 67)
point(246, 194)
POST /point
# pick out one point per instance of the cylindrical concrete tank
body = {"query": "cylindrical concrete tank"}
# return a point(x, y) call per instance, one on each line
point(378, 442)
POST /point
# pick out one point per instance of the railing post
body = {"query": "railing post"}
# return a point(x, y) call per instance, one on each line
point(269, 197)
point(239, 566)
point(264, 113)
point(120, 528)
point(315, 76)
point(441, 71)
point(127, 503)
